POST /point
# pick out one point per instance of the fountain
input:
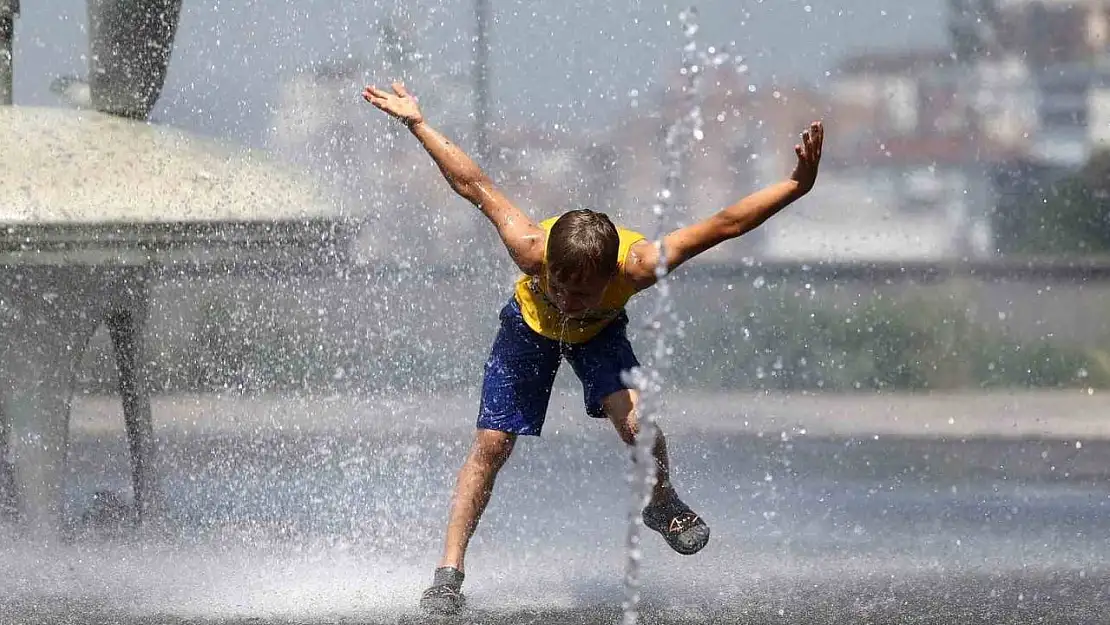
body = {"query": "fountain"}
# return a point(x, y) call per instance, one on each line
point(98, 205)
point(679, 140)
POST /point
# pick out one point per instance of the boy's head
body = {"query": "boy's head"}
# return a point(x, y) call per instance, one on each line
point(582, 249)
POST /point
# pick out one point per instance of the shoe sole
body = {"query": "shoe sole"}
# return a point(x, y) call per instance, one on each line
point(691, 551)
point(435, 611)
point(435, 608)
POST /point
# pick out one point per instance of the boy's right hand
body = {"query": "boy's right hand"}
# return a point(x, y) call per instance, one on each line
point(399, 104)
point(809, 156)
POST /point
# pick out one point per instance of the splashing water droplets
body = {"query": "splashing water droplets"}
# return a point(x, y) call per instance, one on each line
point(679, 140)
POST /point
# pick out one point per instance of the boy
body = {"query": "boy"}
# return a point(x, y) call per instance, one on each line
point(578, 271)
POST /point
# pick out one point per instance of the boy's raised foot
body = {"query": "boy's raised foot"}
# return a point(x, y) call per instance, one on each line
point(680, 526)
point(444, 597)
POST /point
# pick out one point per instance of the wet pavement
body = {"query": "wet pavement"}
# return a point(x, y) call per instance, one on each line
point(313, 524)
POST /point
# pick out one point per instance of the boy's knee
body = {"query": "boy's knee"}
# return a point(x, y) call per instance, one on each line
point(620, 407)
point(492, 448)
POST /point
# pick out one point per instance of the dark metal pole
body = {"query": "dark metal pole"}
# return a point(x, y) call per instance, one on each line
point(481, 82)
point(9, 10)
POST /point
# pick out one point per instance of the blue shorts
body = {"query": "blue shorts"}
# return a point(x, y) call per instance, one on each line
point(521, 369)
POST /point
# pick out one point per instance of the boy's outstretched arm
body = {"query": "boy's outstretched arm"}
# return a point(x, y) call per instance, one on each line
point(744, 216)
point(523, 238)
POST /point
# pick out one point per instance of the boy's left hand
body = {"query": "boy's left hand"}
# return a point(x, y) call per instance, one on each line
point(809, 156)
point(399, 104)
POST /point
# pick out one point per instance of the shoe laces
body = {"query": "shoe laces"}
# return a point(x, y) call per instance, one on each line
point(682, 522)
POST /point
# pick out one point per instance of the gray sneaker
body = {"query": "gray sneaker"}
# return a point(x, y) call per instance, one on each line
point(680, 526)
point(444, 597)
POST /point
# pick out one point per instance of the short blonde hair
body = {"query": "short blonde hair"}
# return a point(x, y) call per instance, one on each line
point(583, 243)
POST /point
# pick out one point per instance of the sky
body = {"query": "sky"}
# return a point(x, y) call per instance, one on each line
point(574, 65)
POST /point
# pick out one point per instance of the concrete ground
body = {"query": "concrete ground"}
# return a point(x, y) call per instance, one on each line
point(975, 508)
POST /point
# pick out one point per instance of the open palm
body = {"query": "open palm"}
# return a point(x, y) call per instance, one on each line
point(809, 156)
point(399, 104)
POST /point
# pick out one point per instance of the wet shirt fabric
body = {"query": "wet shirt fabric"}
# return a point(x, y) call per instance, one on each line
point(541, 315)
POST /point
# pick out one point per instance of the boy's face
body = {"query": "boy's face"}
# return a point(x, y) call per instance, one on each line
point(574, 294)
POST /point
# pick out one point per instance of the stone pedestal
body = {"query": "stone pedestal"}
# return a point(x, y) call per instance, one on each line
point(93, 208)
point(47, 316)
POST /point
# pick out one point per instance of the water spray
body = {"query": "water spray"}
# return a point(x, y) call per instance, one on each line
point(679, 141)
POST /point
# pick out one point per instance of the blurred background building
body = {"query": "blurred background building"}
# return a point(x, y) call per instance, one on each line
point(958, 130)
point(929, 150)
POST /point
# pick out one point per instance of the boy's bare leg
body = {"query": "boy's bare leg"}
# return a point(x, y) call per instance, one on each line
point(473, 487)
point(685, 531)
point(620, 407)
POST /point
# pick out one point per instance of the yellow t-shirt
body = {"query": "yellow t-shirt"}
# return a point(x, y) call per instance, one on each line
point(543, 317)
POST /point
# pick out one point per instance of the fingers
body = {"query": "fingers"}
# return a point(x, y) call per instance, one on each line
point(371, 92)
point(812, 139)
point(817, 136)
point(377, 97)
point(804, 150)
